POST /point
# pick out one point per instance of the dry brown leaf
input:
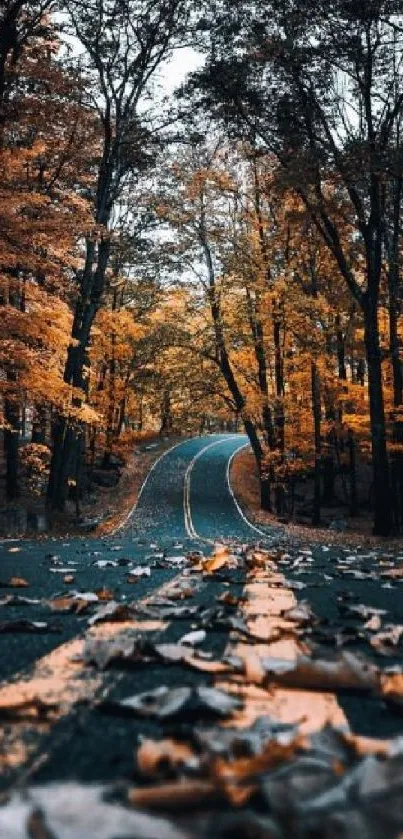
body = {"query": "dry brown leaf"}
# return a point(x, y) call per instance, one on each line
point(61, 604)
point(364, 746)
point(67, 604)
point(68, 579)
point(257, 559)
point(348, 672)
point(174, 796)
point(393, 573)
point(207, 666)
point(111, 612)
point(384, 641)
point(152, 754)
point(104, 594)
point(181, 591)
point(220, 558)
point(238, 778)
point(228, 598)
point(18, 582)
point(392, 686)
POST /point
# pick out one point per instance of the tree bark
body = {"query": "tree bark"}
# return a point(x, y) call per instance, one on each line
point(316, 412)
point(11, 448)
point(382, 494)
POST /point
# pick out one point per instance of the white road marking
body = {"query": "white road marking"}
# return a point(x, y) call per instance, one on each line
point(190, 529)
point(145, 482)
point(240, 511)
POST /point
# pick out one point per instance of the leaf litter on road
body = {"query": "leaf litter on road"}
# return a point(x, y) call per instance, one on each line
point(187, 703)
point(300, 782)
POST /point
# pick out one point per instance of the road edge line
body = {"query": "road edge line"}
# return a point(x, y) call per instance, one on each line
point(237, 505)
point(144, 484)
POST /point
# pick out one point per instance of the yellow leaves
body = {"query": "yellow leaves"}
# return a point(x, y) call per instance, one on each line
point(220, 558)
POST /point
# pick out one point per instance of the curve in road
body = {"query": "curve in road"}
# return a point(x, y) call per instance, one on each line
point(187, 494)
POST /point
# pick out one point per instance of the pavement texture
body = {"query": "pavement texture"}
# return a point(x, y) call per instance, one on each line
point(186, 506)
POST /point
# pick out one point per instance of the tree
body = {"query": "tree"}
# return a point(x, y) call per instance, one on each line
point(124, 45)
point(42, 154)
point(320, 85)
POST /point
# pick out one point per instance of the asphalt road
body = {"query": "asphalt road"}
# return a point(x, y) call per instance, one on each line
point(185, 504)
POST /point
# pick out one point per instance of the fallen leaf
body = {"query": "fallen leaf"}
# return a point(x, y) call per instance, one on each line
point(228, 598)
point(136, 573)
point(112, 611)
point(384, 642)
point(220, 558)
point(15, 582)
point(104, 594)
point(393, 573)
point(17, 600)
point(68, 579)
point(392, 689)
point(348, 672)
point(105, 563)
point(195, 637)
point(301, 613)
point(67, 604)
point(155, 755)
point(239, 778)
point(176, 795)
point(373, 624)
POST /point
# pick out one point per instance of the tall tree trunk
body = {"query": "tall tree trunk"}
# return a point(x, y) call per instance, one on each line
point(39, 424)
point(68, 434)
point(382, 494)
point(353, 474)
point(279, 418)
point(316, 412)
point(11, 443)
point(110, 424)
point(224, 364)
point(394, 307)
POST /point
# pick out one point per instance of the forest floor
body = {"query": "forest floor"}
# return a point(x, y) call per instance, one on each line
point(354, 531)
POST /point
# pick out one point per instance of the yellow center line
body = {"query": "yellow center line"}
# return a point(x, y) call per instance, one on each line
point(63, 679)
point(266, 598)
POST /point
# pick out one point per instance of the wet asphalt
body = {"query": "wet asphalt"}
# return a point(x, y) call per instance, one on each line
point(88, 745)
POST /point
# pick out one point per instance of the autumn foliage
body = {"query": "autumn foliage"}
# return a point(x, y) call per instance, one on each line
point(153, 280)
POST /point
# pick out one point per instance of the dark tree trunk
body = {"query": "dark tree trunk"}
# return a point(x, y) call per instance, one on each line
point(316, 412)
point(353, 475)
point(39, 425)
point(110, 424)
point(68, 434)
point(382, 494)
point(166, 414)
point(11, 448)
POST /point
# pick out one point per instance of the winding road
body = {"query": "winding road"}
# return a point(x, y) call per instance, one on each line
point(186, 504)
point(188, 494)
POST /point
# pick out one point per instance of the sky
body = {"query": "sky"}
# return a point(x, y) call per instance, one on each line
point(184, 61)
